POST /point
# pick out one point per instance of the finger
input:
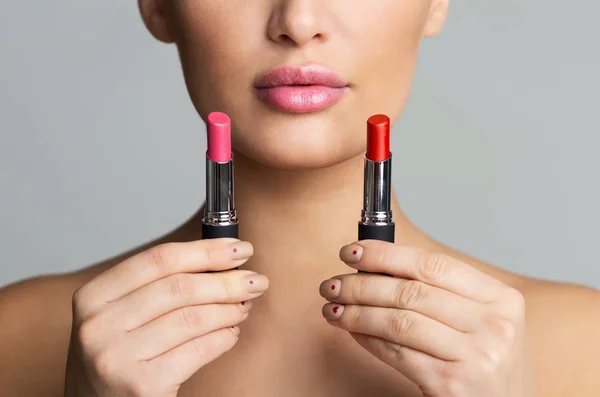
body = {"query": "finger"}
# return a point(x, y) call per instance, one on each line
point(181, 290)
point(438, 304)
point(437, 269)
point(403, 327)
point(180, 326)
point(418, 367)
point(179, 364)
point(164, 260)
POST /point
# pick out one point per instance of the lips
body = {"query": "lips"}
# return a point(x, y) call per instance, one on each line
point(301, 89)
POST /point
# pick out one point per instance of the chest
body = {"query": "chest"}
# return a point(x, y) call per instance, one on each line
point(298, 365)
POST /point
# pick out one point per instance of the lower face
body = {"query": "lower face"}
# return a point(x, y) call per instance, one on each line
point(225, 45)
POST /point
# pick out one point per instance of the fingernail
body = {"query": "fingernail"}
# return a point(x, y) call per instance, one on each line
point(351, 253)
point(240, 250)
point(333, 311)
point(330, 288)
point(245, 306)
point(235, 330)
point(256, 283)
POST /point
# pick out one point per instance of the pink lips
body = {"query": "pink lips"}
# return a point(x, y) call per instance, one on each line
point(301, 90)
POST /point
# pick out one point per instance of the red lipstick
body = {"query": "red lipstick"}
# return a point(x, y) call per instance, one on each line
point(377, 222)
point(300, 89)
point(378, 137)
point(220, 217)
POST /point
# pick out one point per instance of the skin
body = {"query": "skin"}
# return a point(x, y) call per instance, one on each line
point(441, 324)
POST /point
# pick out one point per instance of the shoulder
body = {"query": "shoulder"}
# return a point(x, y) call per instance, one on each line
point(35, 318)
point(563, 321)
point(34, 336)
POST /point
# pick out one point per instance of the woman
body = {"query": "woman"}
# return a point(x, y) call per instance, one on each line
point(159, 322)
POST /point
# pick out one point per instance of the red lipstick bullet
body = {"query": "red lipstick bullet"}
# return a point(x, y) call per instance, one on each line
point(378, 137)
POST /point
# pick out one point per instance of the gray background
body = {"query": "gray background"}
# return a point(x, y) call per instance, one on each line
point(101, 150)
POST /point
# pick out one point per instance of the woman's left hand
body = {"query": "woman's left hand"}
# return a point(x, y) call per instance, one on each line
point(446, 326)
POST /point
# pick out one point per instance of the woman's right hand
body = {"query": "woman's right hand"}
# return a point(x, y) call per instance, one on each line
point(146, 325)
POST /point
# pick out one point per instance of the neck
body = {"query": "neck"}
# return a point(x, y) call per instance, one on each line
point(300, 219)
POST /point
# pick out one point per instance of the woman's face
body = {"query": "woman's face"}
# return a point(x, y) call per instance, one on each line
point(225, 46)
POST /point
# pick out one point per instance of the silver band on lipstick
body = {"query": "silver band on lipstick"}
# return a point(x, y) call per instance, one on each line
point(220, 205)
point(377, 208)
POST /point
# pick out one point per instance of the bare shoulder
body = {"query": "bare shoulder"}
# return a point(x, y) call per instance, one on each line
point(564, 330)
point(34, 336)
point(35, 325)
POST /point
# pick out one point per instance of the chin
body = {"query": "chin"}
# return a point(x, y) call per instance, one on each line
point(298, 141)
point(295, 158)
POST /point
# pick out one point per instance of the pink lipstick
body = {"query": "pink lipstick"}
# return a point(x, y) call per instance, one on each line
point(220, 217)
point(377, 222)
point(301, 89)
point(219, 137)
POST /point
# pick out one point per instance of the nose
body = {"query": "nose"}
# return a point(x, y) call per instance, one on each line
point(298, 22)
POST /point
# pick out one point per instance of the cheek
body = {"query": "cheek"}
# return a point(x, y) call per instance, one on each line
point(215, 43)
point(389, 53)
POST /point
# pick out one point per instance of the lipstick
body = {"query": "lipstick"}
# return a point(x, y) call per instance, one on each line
point(376, 221)
point(220, 218)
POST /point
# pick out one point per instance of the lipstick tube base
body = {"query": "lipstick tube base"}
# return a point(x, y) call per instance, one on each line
point(225, 231)
point(377, 232)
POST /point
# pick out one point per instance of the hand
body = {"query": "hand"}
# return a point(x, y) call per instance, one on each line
point(449, 328)
point(146, 325)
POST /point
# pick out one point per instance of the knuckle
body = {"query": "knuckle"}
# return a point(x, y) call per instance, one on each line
point(207, 251)
point(88, 331)
point(489, 360)
point(180, 286)
point(400, 323)
point(451, 384)
point(352, 316)
point(381, 252)
point(502, 329)
point(191, 318)
point(431, 265)
point(85, 334)
point(79, 303)
point(163, 256)
point(79, 298)
point(454, 388)
point(227, 284)
point(514, 303)
point(145, 375)
point(394, 353)
point(409, 294)
point(199, 348)
point(104, 364)
point(361, 287)
point(204, 350)
point(137, 388)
